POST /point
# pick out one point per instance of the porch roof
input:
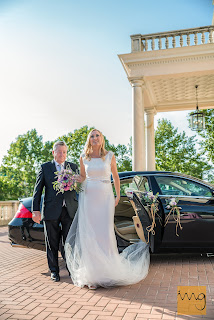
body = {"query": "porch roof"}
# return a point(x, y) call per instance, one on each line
point(171, 64)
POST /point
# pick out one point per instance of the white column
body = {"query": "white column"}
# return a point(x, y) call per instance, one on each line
point(138, 133)
point(150, 140)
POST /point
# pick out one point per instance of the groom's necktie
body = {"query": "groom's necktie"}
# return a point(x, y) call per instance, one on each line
point(60, 167)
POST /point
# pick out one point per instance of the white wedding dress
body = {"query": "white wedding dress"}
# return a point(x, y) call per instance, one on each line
point(91, 249)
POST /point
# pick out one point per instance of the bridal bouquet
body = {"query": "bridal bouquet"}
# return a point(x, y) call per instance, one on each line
point(66, 180)
point(172, 205)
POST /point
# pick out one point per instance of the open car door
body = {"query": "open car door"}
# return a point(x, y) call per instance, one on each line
point(143, 220)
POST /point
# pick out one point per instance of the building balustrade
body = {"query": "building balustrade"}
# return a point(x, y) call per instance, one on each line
point(7, 211)
point(172, 39)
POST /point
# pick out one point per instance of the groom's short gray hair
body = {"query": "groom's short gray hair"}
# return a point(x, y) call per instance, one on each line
point(59, 143)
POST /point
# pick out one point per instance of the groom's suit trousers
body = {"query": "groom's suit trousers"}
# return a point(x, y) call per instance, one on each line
point(56, 230)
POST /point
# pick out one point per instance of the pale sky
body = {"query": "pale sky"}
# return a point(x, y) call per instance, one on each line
point(59, 68)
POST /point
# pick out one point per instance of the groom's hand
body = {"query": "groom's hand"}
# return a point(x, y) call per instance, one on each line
point(36, 216)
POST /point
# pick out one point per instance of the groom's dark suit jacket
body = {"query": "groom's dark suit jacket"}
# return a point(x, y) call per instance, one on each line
point(52, 203)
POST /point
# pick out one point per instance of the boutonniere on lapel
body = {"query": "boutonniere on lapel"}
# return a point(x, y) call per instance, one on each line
point(66, 180)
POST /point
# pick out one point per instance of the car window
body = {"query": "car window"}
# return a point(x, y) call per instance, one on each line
point(180, 186)
point(129, 183)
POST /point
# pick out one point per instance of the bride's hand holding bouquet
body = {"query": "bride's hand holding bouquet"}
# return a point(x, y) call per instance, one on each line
point(79, 178)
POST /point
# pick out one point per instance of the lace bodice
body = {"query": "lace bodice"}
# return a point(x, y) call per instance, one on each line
point(97, 168)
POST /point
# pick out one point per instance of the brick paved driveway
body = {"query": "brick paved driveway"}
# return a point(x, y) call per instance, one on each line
point(26, 291)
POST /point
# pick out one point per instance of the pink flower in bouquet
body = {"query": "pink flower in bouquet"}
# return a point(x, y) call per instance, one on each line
point(67, 188)
point(69, 184)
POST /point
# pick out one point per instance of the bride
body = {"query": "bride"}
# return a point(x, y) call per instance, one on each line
point(91, 249)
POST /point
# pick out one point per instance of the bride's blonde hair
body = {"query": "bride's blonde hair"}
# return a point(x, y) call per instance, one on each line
point(88, 147)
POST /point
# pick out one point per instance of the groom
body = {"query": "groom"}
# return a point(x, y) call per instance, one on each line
point(57, 210)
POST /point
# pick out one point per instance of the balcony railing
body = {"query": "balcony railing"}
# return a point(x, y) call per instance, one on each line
point(172, 39)
point(7, 211)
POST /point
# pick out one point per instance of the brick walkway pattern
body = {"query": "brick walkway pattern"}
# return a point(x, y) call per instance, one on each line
point(26, 291)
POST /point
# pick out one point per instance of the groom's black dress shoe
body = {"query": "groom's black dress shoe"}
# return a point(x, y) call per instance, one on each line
point(55, 276)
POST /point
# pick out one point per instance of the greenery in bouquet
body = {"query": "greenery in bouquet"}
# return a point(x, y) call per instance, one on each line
point(148, 198)
point(172, 205)
point(66, 181)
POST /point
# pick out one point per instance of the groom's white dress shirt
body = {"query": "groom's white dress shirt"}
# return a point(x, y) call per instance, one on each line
point(59, 167)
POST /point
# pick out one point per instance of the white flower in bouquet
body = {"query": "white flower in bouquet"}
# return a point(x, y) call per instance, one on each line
point(173, 202)
point(172, 205)
point(150, 195)
point(150, 198)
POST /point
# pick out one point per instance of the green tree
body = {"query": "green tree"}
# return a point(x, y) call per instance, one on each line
point(28, 152)
point(208, 134)
point(123, 157)
point(76, 141)
point(176, 152)
point(22, 162)
point(7, 189)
